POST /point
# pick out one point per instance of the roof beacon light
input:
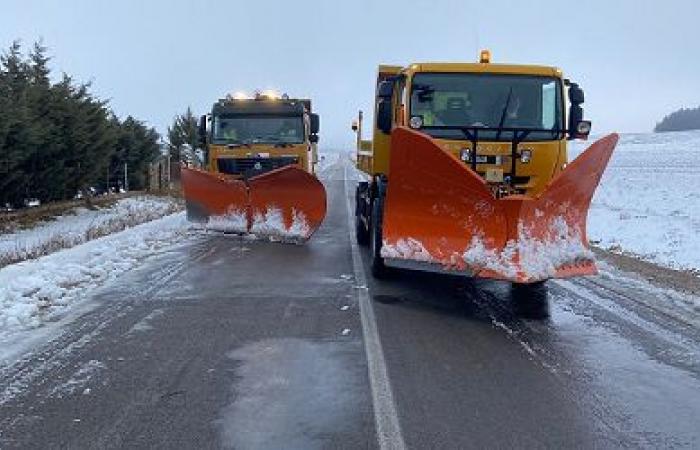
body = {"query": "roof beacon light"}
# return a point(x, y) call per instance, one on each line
point(240, 96)
point(485, 56)
point(270, 94)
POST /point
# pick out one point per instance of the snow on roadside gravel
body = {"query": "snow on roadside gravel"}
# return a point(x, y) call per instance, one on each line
point(84, 225)
point(34, 291)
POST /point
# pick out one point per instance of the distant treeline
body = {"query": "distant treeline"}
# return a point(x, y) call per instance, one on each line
point(681, 120)
point(58, 139)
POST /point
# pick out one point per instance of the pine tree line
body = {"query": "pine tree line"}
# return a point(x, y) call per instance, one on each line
point(681, 120)
point(58, 139)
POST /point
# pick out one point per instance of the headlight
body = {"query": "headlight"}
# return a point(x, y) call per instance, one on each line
point(416, 122)
point(525, 156)
point(583, 128)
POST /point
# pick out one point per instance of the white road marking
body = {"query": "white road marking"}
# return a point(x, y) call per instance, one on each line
point(385, 417)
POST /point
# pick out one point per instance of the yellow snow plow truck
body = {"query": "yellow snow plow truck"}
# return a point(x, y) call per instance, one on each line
point(259, 174)
point(469, 173)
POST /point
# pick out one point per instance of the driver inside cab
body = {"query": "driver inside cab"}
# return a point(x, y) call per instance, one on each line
point(227, 132)
point(455, 111)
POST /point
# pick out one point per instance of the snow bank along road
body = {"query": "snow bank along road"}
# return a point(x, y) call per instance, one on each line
point(221, 342)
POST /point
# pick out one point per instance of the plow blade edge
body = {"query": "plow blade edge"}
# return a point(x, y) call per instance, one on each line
point(438, 211)
point(285, 204)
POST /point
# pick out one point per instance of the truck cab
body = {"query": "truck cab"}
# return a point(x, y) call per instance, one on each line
point(508, 122)
point(245, 136)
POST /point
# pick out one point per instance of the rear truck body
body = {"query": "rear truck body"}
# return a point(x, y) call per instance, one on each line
point(260, 156)
point(469, 173)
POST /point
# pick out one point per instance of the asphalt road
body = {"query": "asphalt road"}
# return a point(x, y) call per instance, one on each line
point(223, 342)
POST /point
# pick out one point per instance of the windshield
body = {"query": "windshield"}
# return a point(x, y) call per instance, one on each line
point(258, 130)
point(487, 100)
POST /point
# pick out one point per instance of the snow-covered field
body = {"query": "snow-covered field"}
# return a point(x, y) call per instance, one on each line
point(648, 202)
point(34, 291)
point(84, 225)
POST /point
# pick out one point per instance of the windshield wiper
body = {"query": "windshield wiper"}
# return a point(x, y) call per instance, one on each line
point(503, 114)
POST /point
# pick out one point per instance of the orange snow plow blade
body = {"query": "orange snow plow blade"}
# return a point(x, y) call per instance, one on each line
point(286, 204)
point(215, 199)
point(438, 211)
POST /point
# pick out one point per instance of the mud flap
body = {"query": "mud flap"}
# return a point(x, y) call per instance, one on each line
point(285, 204)
point(438, 211)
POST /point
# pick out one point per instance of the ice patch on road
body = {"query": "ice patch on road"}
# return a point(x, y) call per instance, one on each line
point(305, 391)
point(79, 380)
point(145, 323)
point(39, 290)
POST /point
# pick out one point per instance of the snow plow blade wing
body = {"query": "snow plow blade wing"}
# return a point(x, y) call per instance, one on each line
point(215, 200)
point(286, 204)
point(439, 212)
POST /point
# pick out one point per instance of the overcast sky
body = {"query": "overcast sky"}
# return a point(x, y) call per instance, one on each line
point(636, 60)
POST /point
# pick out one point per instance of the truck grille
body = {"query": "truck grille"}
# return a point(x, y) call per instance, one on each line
point(250, 167)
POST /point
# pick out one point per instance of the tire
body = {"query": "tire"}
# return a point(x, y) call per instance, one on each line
point(361, 232)
point(379, 270)
point(530, 300)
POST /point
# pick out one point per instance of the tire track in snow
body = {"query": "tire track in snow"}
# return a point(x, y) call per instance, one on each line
point(51, 357)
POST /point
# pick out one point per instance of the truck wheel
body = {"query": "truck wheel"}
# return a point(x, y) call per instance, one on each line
point(530, 300)
point(379, 270)
point(361, 232)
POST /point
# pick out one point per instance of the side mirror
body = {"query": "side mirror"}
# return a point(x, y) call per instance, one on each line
point(315, 123)
point(384, 115)
point(578, 128)
point(313, 138)
point(385, 89)
point(576, 94)
point(202, 131)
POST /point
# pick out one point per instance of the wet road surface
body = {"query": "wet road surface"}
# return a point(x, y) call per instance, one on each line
point(223, 342)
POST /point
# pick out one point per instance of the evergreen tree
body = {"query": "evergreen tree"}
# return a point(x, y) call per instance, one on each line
point(184, 130)
point(57, 139)
point(44, 164)
point(137, 146)
point(21, 139)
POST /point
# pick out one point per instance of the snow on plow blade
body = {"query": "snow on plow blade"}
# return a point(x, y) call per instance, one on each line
point(285, 204)
point(438, 211)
